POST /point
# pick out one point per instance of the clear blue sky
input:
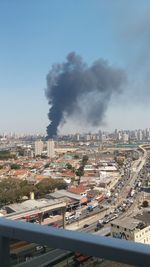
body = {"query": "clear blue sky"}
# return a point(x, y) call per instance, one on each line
point(34, 34)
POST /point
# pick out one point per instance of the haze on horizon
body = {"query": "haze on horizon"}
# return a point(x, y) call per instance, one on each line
point(37, 34)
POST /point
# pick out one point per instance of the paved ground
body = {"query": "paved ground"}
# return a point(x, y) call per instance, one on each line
point(89, 220)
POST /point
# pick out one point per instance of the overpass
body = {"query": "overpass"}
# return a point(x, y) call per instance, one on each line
point(39, 211)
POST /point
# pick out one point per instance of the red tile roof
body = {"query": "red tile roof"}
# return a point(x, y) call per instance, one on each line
point(77, 190)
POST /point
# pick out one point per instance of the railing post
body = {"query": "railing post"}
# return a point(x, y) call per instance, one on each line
point(4, 252)
point(63, 210)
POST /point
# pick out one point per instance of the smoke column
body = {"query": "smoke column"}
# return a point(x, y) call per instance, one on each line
point(73, 83)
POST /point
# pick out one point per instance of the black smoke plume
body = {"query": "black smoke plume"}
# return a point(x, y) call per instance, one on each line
point(74, 85)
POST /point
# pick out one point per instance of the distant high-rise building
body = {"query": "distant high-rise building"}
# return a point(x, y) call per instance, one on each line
point(50, 148)
point(125, 137)
point(87, 137)
point(78, 137)
point(119, 134)
point(38, 147)
point(140, 135)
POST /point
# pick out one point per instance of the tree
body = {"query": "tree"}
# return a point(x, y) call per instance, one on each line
point(15, 166)
point(6, 155)
point(70, 167)
point(72, 179)
point(120, 161)
point(84, 160)
point(21, 152)
point(76, 156)
point(45, 186)
point(80, 173)
point(145, 204)
point(46, 165)
point(60, 184)
point(48, 185)
point(9, 191)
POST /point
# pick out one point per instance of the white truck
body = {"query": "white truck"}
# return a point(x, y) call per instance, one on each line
point(132, 192)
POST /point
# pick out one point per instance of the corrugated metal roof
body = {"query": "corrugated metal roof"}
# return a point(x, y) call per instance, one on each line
point(64, 193)
point(32, 204)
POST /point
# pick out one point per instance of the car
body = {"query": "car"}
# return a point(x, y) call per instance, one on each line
point(85, 225)
point(71, 217)
point(106, 221)
point(100, 225)
point(39, 248)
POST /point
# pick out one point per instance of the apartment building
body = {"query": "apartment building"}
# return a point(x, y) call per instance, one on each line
point(131, 229)
point(50, 148)
point(38, 147)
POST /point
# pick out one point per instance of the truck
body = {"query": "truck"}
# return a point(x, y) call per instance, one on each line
point(100, 198)
point(69, 216)
point(92, 206)
point(132, 192)
point(77, 214)
point(108, 194)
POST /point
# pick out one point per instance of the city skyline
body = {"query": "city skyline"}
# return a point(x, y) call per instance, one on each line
point(34, 36)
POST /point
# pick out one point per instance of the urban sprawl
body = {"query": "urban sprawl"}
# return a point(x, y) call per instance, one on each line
point(91, 182)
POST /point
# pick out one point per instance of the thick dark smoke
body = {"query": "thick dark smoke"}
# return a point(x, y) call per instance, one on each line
point(74, 84)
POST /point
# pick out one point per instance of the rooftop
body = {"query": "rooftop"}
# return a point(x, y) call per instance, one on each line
point(144, 216)
point(64, 193)
point(31, 204)
point(127, 222)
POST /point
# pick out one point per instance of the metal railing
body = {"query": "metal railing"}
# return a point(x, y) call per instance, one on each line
point(102, 247)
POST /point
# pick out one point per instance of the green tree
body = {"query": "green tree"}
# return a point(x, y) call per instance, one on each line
point(70, 167)
point(84, 160)
point(9, 191)
point(15, 166)
point(120, 161)
point(46, 165)
point(21, 152)
point(145, 204)
point(4, 155)
point(60, 184)
point(45, 186)
point(76, 156)
point(80, 173)
point(48, 185)
point(72, 179)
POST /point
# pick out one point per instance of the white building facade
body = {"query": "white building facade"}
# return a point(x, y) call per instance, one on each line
point(50, 148)
point(131, 229)
point(38, 147)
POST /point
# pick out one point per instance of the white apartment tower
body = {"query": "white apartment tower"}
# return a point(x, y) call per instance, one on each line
point(38, 147)
point(50, 148)
point(125, 137)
